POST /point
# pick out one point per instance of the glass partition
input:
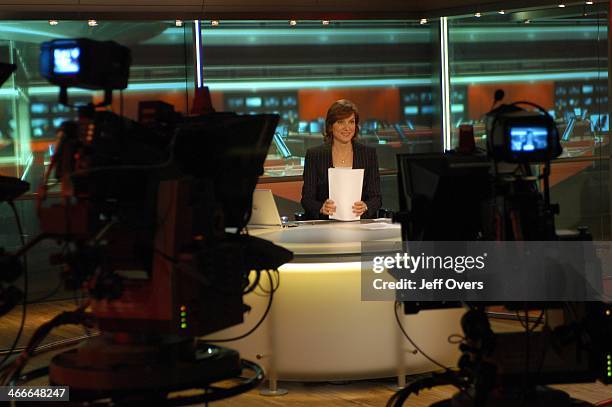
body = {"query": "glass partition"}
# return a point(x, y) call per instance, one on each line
point(162, 60)
point(559, 60)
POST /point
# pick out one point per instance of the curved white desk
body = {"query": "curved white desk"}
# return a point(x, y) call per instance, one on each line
point(319, 329)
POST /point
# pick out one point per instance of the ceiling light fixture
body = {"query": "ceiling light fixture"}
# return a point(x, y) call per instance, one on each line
point(501, 12)
point(92, 23)
point(292, 22)
point(423, 21)
point(53, 22)
point(178, 23)
point(477, 15)
point(588, 2)
point(325, 22)
point(561, 5)
point(214, 23)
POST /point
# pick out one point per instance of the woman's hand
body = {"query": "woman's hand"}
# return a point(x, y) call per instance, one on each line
point(328, 208)
point(359, 208)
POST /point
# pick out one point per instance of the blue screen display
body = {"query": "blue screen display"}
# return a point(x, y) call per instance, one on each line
point(253, 102)
point(527, 139)
point(57, 122)
point(411, 110)
point(599, 123)
point(39, 108)
point(315, 127)
point(66, 60)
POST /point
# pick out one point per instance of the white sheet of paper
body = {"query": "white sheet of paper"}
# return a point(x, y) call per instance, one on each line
point(345, 189)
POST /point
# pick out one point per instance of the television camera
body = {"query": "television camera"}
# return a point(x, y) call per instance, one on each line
point(152, 216)
point(495, 195)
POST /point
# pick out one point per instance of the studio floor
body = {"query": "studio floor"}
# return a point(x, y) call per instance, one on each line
point(355, 393)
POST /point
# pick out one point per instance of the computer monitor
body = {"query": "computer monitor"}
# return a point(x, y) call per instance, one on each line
point(253, 101)
point(315, 127)
point(599, 122)
point(264, 211)
point(429, 185)
point(230, 150)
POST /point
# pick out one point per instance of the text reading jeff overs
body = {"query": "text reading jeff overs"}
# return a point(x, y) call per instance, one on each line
point(428, 273)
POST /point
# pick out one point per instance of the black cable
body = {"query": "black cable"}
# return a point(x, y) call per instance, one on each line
point(436, 379)
point(166, 257)
point(538, 321)
point(25, 288)
point(545, 351)
point(214, 393)
point(520, 320)
point(525, 323)
point(67, 317)
point(273, 285)
point(249, 332)
point(399, 323)
point(58, 343)
point(526, 379)
point(251, 287)
point(46, 297)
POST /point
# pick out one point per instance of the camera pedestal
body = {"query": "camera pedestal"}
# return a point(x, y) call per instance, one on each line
point(145, 369)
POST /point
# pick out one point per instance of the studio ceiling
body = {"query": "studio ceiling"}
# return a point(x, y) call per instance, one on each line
point(252, 9)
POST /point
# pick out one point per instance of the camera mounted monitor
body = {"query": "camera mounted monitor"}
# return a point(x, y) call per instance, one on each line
point(520, 136)
point(87, 64)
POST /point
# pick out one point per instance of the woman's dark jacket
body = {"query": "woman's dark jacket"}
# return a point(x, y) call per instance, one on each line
point(316, 187)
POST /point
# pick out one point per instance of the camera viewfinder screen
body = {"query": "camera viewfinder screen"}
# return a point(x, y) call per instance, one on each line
point(527, 139)
point(66, 60)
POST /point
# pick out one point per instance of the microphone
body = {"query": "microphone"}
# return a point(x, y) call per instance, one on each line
point(499, 95)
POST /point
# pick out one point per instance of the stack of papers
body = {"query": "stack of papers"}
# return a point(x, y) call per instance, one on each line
point(345, 189)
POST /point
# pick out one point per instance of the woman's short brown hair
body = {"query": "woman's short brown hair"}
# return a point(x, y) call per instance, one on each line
point(340, 109)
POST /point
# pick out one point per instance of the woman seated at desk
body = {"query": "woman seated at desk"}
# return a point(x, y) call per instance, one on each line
point(340, 149)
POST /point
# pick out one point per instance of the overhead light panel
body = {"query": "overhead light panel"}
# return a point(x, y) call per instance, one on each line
point(477, 15)
point(92, 23)
point(423, 21)
point(214, 23)
point(292, 23)
point(53, 22)
point(325, 22)
point(178, 23)
point(589, 2)
point(501, 12)
point(561, 5)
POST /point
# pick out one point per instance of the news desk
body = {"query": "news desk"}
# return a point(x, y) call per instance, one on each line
point(318, 328)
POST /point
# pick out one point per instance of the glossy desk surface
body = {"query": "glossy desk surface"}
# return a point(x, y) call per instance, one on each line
point(329, 238)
